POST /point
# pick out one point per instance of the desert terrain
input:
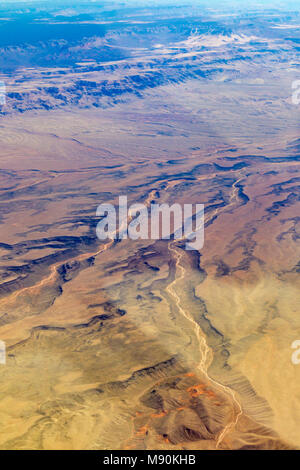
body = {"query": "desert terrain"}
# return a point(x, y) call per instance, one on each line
point(142, 344)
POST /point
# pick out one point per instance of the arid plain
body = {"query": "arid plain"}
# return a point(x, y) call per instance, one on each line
point(142, 344)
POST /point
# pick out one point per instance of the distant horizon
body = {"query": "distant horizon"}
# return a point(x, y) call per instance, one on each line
point(158, 3)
